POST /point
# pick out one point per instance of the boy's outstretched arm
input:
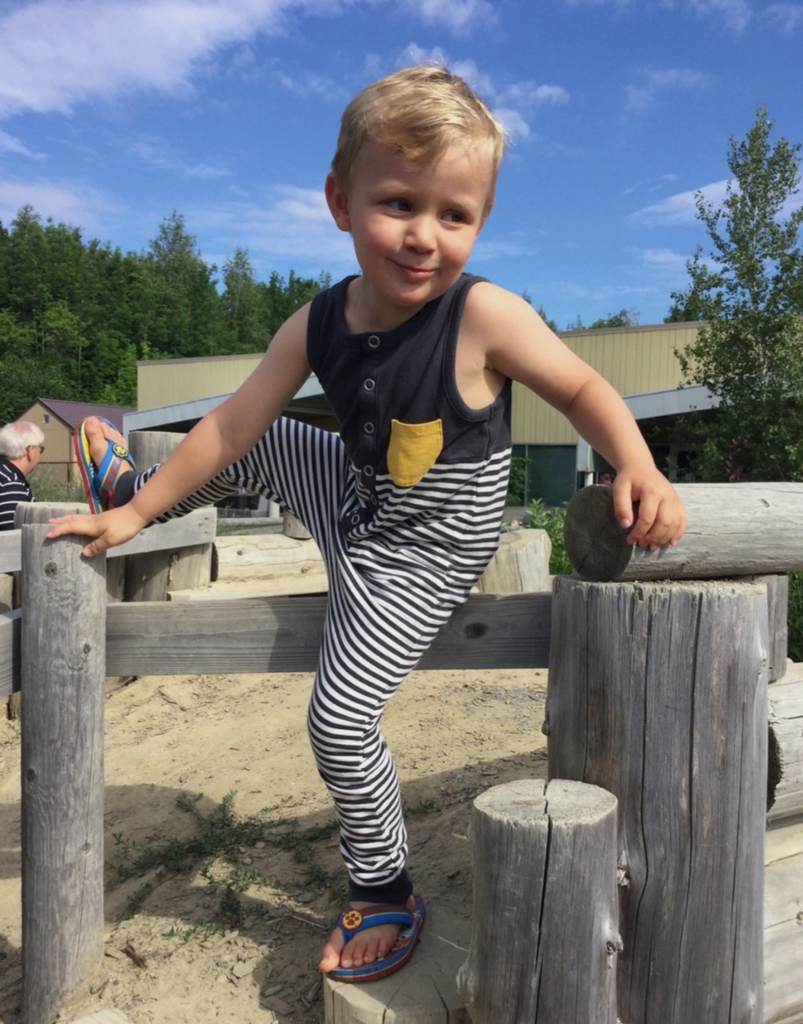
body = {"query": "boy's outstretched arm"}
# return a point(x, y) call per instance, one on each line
point(519, 345)
point(221, 438)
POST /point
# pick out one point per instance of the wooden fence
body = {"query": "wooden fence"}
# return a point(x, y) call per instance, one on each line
point(658, 695)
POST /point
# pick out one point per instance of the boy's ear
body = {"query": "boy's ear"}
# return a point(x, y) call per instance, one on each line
point(337, 200)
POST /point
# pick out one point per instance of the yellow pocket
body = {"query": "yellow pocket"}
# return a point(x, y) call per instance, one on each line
point(413, 449)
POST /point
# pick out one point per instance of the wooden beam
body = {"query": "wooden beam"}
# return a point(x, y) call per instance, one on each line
point(284, 634)
point(197, 527)
point(734, 530)
point(10, 628)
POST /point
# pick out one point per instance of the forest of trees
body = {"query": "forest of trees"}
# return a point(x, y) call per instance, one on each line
point(76, 315)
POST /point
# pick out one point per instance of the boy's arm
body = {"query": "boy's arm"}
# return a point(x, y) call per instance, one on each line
point(221, 438)
point(519, 345)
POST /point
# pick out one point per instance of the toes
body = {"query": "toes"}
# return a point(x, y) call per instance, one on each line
point(330, 957)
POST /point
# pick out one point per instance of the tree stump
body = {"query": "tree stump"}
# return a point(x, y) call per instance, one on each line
point(423, 992)
point(545, 933)
point(520, 565)
point(785, 790)
point(151, 576)
point(658, 693)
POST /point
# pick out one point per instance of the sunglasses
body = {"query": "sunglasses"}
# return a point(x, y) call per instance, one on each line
point(41, 447)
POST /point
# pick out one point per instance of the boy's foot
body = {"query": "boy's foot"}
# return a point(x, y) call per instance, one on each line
point(368, 946)
point(102, 459)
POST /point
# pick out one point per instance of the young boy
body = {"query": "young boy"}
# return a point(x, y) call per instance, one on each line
point(417, 359)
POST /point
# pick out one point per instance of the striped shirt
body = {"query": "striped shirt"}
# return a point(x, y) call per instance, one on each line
point(13, 489)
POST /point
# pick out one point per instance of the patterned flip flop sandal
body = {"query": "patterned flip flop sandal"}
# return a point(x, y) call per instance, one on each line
point(98, 482)
point(352, 921)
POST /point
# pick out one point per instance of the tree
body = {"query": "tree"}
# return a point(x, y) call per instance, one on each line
point(242, 304)
point(624, 318)
point(749, 291)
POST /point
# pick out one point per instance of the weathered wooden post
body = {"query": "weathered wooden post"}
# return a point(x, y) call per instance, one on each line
point(785, 790)
point(545, 935)
point(658, 693)
point(63, 665)
point(148, 577)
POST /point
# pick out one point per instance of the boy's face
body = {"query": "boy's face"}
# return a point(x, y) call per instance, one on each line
point(413, 226)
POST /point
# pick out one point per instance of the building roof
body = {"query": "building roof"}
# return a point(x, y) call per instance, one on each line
point(72, 413)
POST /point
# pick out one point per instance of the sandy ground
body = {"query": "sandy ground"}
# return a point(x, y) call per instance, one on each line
point(229, 928)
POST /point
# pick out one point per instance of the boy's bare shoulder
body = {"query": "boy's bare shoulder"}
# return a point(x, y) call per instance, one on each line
point(496, 314)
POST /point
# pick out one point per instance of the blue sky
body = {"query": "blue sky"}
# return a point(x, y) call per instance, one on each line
point(113, 113)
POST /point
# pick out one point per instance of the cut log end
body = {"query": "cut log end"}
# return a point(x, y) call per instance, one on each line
point(595, 543)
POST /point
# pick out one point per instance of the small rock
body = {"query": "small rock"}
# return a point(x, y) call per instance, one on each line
point(114, 953)
point(183, 777)
point(277, 1005)
point(305, 897)
point(312, 992)
point(259, 844)
point(272, 990)
point(245, 967)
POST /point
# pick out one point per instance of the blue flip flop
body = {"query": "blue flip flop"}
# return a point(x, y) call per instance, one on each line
point(352, 921)
point(99, 482)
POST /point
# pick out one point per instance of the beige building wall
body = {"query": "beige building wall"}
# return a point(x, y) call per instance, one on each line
point(634, 359)
point(171, 381)
point(58, 460)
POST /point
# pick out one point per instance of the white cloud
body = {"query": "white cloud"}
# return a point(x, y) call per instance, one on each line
point(669, 266)
point(57, 53)
point(311, 84)
point(641, 95)
point(78, 205)
point(736, 14)
point(509, 102)
point(488, 249)
point(530, 94)
point(515, 125)
point(293, 223)
point(681, 208)
point(158, 153)
point(460, 17)
point(11, 144)
point(787, 16)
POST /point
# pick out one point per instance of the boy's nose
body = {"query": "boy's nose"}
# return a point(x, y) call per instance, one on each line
point(421, 234)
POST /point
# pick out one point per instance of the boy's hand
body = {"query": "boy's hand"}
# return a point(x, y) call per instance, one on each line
point(108, 528)
point(661, 516)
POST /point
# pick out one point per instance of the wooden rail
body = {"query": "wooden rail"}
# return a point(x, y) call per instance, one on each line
point(197, 527)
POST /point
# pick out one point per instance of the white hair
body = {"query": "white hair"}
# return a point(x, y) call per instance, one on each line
point(16, 437)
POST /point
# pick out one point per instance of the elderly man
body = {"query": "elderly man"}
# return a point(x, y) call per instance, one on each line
point(21, 447)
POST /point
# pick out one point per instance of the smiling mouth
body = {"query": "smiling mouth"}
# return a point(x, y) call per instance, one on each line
point(416, 271)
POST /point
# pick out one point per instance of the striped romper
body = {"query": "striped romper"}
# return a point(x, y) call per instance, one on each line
point(405, 506)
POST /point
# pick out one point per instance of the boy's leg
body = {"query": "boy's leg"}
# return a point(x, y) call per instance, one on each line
point(300, 466)
point(368, 649)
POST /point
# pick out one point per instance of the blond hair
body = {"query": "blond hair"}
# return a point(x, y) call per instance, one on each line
point(419, 112)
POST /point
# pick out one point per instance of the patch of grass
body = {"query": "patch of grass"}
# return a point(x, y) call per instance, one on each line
point(424, 807)
point(216, 850)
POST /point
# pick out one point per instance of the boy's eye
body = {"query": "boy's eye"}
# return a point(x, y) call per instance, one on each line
point(454, 216)
point(402, 205)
